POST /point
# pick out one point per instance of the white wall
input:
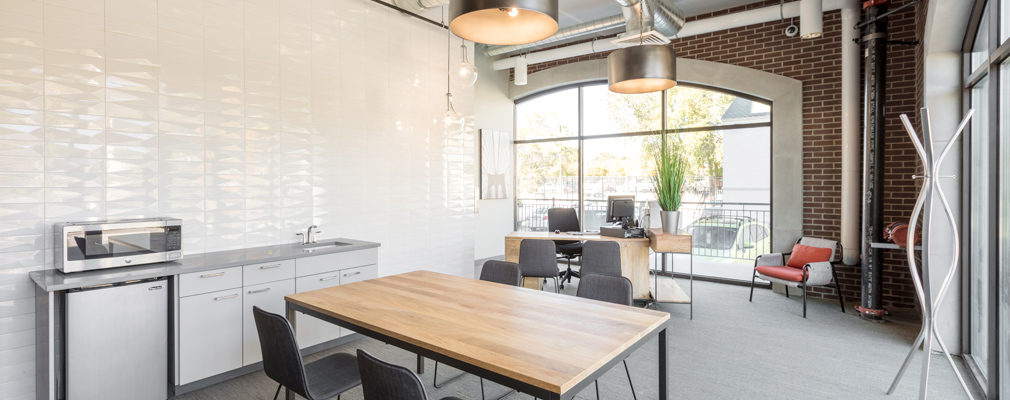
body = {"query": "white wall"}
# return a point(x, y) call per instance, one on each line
point(946, 23)
point(248, 119)
point(493, 110)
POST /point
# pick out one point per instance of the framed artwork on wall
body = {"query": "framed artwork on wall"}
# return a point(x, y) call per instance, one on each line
point(495, 164)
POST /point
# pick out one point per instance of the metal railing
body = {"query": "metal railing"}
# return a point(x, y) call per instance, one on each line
point(721, 230)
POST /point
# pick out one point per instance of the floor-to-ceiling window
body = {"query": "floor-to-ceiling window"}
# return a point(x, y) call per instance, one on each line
point(987, 166)
point(578, 145)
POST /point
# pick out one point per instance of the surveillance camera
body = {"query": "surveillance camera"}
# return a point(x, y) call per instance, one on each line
point(792, 30)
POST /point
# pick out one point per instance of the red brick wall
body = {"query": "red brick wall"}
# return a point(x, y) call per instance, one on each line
point(816, 62)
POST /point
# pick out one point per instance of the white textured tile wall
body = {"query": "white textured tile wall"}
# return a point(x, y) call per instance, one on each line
point(248, 119)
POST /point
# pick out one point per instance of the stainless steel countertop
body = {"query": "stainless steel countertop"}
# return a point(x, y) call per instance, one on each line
point(52, 280)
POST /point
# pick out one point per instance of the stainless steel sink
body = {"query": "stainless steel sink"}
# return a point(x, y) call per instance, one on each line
point(322, 246)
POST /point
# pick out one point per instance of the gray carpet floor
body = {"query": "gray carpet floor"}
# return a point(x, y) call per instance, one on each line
point(733, 349)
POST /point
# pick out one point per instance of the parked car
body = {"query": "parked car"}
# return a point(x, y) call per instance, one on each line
point(724, 236)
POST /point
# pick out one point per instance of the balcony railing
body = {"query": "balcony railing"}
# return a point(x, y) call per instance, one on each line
point(721, 230)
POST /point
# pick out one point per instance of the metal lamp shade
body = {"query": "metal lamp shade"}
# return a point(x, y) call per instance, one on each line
point(642, 69)
point(492, 21)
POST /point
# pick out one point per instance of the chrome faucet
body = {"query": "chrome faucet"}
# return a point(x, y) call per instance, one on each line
point(310, 236)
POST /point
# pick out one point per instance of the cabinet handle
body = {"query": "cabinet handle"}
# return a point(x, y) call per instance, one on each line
point(270, 266)
point(352, 274)
point(328, 279)
point(259, 291)
point(212, 275)
point(225, 297)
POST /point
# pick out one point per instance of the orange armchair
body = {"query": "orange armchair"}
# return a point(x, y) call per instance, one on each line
point(811, 263)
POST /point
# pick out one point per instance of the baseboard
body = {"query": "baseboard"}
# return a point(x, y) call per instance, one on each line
point(481, 261)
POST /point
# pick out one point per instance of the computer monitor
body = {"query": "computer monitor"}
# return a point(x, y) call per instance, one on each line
point(620, 208)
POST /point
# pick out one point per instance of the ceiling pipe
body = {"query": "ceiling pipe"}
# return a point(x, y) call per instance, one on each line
point(659, 15)
point(852, 185)
point(714, 24)
point(566, 33)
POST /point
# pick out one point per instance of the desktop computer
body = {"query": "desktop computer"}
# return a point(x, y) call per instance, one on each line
point(621, 209)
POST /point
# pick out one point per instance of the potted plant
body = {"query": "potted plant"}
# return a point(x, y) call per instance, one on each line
point(671, 167)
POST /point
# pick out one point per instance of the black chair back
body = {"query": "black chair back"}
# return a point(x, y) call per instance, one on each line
point(281, 360)
point(611, 289)
point(503, 272)
point(384, 381)
point(601, 257)
point(564, 220)
point(538, 258)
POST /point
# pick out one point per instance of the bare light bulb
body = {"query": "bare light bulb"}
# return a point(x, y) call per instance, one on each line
point(513, 12)
point(450, 120)
point(464, 74)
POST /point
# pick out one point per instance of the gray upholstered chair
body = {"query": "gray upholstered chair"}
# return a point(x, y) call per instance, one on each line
point(811, 263)
point(565, 220)
point(385, 381)
point(504, 272)
point(601, 257)
point(611, 289)
point(322, 379)
point(537, 259)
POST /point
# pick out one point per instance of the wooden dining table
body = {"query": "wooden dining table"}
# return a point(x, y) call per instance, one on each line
point(540, 343)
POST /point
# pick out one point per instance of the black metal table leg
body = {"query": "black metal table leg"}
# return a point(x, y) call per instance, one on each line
point(420, 364)
point(664, 376)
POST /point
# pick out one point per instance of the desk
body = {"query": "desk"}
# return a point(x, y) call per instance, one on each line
point(509, 335)
point(634, 257)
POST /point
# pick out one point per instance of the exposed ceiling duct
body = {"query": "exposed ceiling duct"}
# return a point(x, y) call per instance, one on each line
point(567, 33)
point(639, 17)
point(661, 16)
point(722, 22)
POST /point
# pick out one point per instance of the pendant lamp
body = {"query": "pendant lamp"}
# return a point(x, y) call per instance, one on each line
point(811, 19)
point(503, 22)
point(449, 120)
point(463, 73)
point(642, 69)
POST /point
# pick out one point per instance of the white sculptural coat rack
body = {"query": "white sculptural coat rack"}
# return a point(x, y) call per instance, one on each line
point(931, 184)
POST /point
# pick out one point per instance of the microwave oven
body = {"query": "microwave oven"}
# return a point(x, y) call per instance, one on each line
point(86, 246)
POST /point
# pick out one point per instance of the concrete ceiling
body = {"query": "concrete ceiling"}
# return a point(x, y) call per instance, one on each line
point(578, 11)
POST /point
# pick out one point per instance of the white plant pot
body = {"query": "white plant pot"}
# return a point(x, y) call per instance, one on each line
point(671, 221)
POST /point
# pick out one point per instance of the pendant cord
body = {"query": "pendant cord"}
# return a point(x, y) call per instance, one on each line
point(448, 52)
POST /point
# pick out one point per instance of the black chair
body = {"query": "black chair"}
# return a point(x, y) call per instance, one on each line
point(385, 381)
point(506, 273)
point(601, 257)
point(537, 259)
point(611, 289)
point(322, 379)
point(565, 220)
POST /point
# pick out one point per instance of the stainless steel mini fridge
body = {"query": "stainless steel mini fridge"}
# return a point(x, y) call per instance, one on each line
point(117, 341)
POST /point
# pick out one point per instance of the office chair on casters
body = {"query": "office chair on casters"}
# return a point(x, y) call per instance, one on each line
point(385, 381)
point(565, 220)
point(503, 272)
point(611, 289)
point(322, 379)
point(537, 259)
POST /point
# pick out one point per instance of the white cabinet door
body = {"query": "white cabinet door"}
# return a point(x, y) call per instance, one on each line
point(210, 334)
point(269, 297)
point(311, 330)
point(306, 266)
point(357, 275)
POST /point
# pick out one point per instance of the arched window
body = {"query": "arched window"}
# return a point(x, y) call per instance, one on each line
point(577, 145)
